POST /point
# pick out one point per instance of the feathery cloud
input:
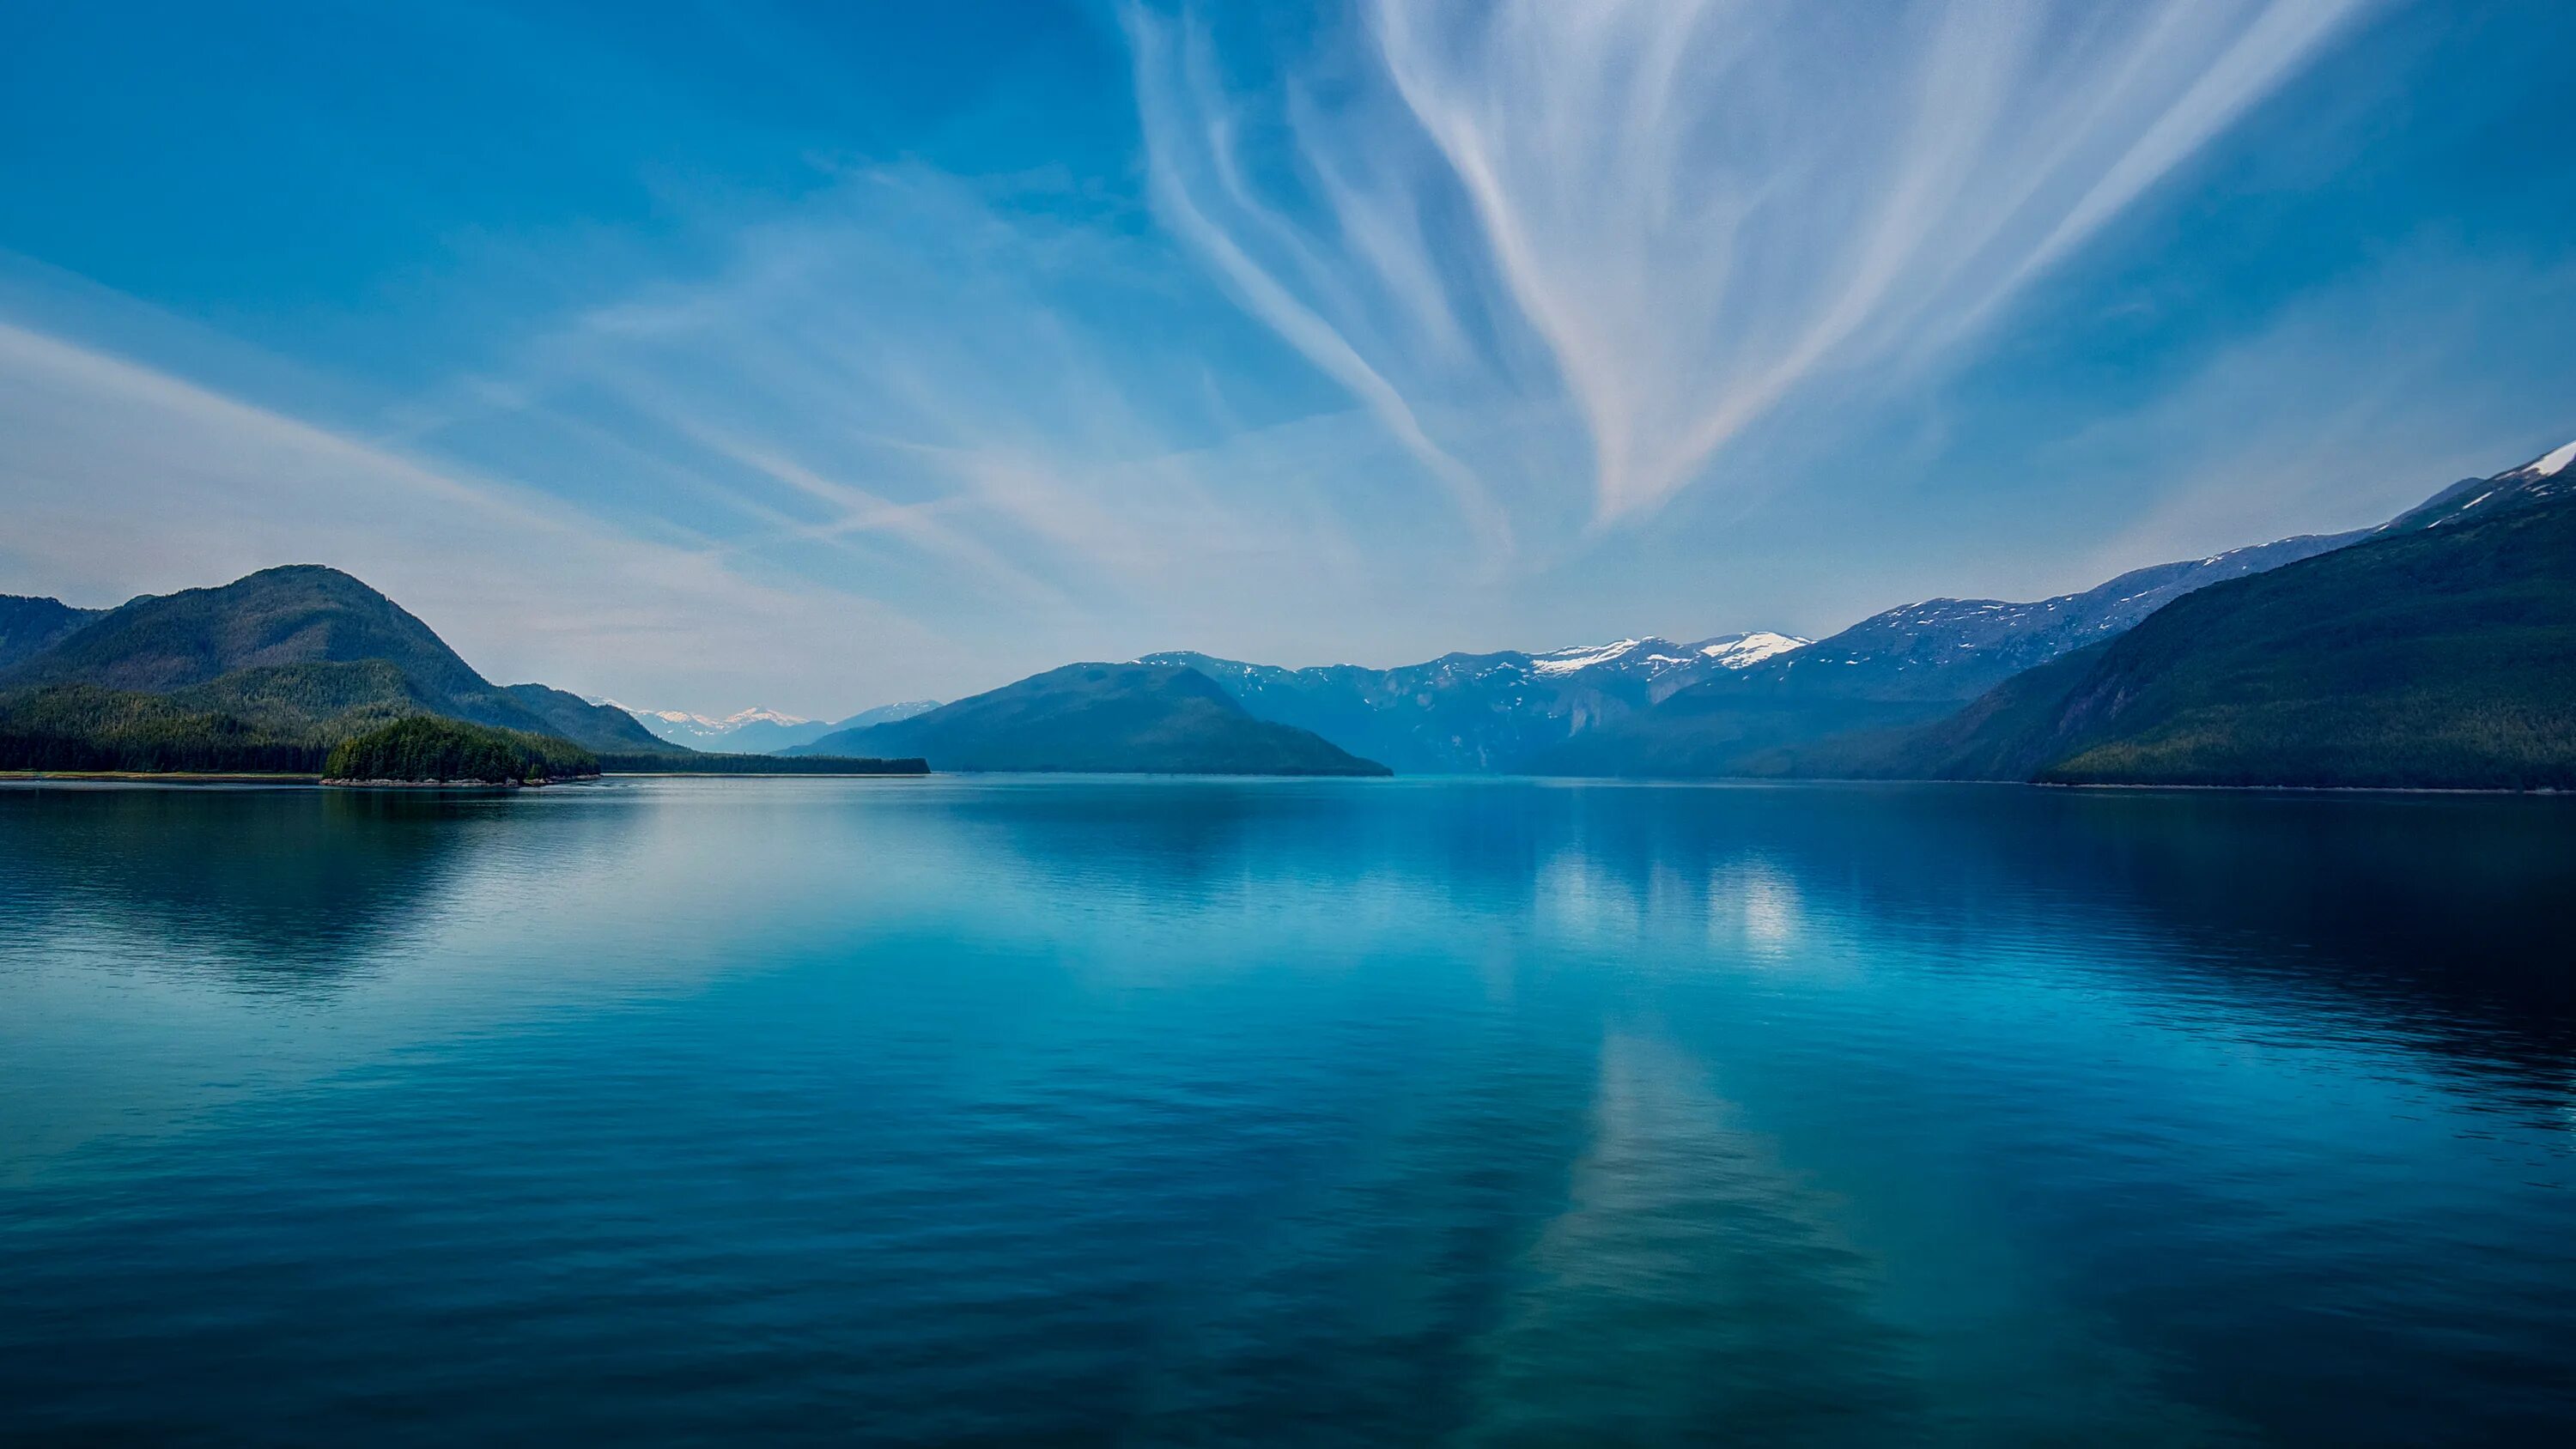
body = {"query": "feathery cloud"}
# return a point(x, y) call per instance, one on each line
point(1675, 216)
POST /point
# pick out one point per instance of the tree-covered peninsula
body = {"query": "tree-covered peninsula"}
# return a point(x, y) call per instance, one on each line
point(425, 750)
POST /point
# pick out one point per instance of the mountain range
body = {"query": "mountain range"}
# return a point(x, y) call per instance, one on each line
point(272, 672)
point(1475, 713)
point(1841, 704)
point(2436, 649)
point(2439, 651)
point(758, 731)
point(1650, 706)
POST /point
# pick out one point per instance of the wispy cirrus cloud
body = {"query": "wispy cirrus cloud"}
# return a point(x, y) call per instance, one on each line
point(1393, 328)
point(988, 396)
point(1671, 218)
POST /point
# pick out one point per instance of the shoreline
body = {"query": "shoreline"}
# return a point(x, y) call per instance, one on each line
point(333, 784)
point(185, 778)
point(2299, 789)
point(158, 777)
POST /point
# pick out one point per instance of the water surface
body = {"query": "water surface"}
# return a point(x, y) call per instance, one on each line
point(1152, 1111)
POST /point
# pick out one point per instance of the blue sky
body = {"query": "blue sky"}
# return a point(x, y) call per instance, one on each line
point(825, 355)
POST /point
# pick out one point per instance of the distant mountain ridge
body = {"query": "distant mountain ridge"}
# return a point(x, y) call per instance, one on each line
point(2440, 655)
point(1652, 706)
point(2551, 475)
point(2434, 649)
point(1465, 713)
point(2437, 646)
point(1148, 718)
point(1953, 648)
point(574, 718)
point(757, 731)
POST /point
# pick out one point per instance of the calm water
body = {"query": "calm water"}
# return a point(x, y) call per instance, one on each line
point(1336, 1112)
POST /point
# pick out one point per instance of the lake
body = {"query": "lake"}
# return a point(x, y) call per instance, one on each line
point(980, 1110)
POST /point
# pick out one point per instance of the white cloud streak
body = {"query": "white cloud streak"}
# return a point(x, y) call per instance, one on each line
point(1677, 216)
point(993, 402)
point(123, 479)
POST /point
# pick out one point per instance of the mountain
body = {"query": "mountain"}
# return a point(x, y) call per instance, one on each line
point(596, 727)
point(301, 614)
point(293, 658)
point(2437, 651)
point(1959, 648)
point(1477, 712)
point(887, 714)
point(30, 626)
point(1654, 707)
point(1895, 669)
point(758, 731)
point(1149, 718)
point(2443, 655)
point(2551, 475)
point(753, 731)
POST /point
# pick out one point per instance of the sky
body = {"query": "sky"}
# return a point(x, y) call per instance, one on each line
point(818, 356)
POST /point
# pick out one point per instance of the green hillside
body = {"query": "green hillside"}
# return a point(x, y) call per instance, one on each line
point(301, 614)
point(1729, 728)
point(29, 626)
point(2002, 735)
point(278, 718)
point(276, 667)
point(2441, 658)
point(84, 727)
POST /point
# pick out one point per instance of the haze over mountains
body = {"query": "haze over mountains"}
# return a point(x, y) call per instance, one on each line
point(758, 731)
point(1469, 713)
point(2436, 649)
point(1845, 704)
point(2437, 652)
point(1164, 718)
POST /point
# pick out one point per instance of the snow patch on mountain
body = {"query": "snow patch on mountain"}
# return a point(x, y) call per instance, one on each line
point(1742, 651)
point(734, 721)
point(1654, 657)
point(2547, 465)
point(1570, 661)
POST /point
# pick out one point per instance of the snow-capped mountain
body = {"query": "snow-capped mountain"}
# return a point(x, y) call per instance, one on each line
point(703, 724)
point(885, 714)
point(1960, 648)
point(1657, 658)
point(2554, 464)
point(2551, 475)
point(1916, 662)
point(1743, 651)
point(756, 731)
point(1471, 712)
point(1944, 649)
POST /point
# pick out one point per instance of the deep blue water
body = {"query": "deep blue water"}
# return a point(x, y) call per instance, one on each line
point(1004, 1110)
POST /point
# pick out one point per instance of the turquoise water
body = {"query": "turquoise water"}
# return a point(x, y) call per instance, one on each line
point(1008, 1110)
